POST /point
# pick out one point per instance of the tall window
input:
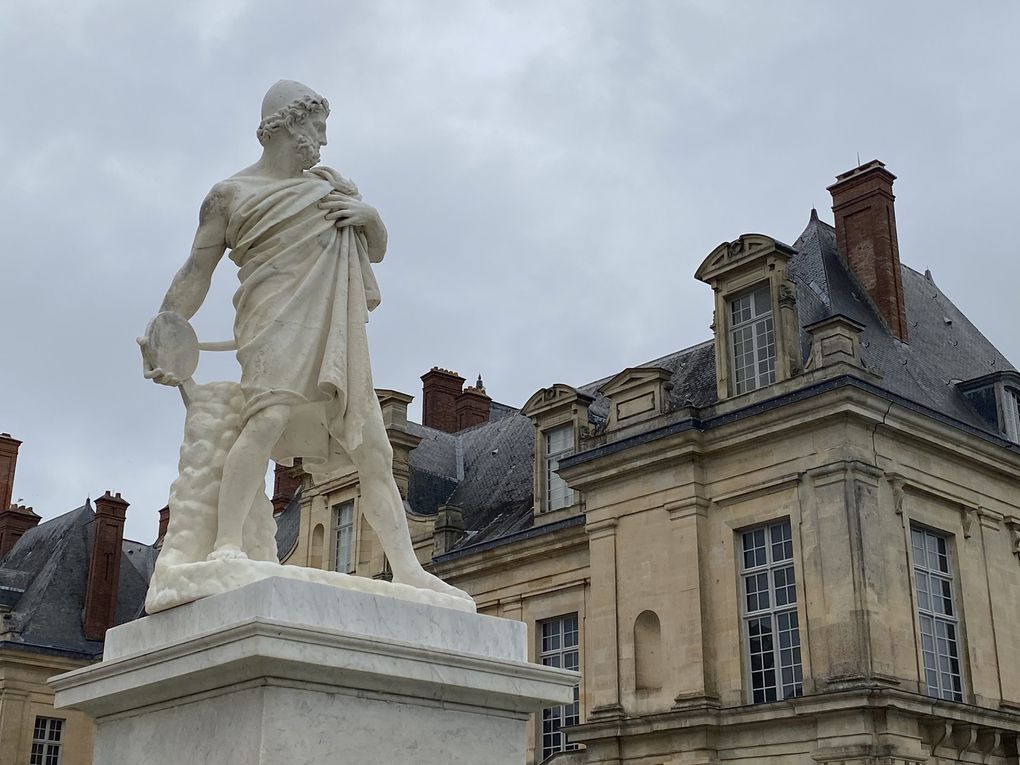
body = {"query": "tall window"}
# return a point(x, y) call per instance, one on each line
point(46, 739)
point(558, 443)
point(771, 628)
point(752, 340)
point(936, 613)
point(344, 525)
point(559, 649)
point(1011, 415)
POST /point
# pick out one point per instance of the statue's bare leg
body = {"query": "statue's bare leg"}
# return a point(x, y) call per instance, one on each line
point(384, 510)
point(244, 475)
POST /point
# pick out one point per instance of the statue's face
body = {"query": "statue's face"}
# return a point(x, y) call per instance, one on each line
point(309, 137)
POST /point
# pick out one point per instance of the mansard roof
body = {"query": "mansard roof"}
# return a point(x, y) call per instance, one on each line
point(487, 470)
point(46, 572)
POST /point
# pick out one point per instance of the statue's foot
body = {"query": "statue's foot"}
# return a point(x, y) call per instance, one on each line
point(423, 580)
point(227, 552)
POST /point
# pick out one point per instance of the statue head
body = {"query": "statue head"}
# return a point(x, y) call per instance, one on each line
point(301, 112)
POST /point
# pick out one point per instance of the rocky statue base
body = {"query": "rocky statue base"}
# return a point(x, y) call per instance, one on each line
point(283, 671)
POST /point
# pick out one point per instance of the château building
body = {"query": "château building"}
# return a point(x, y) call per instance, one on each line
point(797, 542)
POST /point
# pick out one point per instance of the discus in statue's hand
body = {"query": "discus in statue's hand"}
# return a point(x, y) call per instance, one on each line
point(172, 346)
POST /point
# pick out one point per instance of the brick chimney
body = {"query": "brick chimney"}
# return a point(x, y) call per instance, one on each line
point(473, 406)
point(286, 481)
point(15, 520)
point(104, 566)
point(440, 390)
point(862, 201)
point(8, 462)
point(164, 520)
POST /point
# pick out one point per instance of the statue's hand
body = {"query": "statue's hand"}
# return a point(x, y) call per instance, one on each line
point(149, 371)
point(346, 211)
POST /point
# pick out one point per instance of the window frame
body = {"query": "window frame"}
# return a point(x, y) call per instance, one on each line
point(751, 324)
point(559, 715)
point(1011, 413)
point(47, 750)
point(920, 612)
point(772, 611)
point(550, 461)
point(337, 508)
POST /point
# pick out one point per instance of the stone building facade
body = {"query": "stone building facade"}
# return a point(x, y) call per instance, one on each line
point(63, 583)
point(797, 542)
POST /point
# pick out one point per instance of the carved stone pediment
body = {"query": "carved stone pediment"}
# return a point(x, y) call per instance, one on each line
point(636, 394)
point(548, 401)
point(744, 251)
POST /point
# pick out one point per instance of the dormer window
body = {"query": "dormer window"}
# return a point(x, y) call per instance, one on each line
point(757, 331)
point(558, 414)
point(558, 443)
point(1011, 414)
point(752, 340)
point(996, 399)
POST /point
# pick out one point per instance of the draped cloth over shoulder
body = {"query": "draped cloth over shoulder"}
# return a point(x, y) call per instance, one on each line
point(306, 290)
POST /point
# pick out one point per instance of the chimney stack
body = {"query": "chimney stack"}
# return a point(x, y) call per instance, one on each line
point(440, 390)
point(15, 520)
point(862, 202)
point(449, 529)
point(8, 462)
point(164, 521)
point(473, 406)
point(104, 566)
point(286, 481)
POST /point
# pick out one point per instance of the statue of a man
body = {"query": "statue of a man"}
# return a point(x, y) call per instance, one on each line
point(304, 242)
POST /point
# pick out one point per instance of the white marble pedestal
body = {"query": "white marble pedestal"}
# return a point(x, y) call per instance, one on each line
point(284, 671)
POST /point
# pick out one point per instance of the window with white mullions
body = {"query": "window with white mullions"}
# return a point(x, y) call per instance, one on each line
point(771, 626)
point(558, 443)
point(46, 741)
point(936, 614)
point(752, 340)
point(343, 523)
point(559, 648)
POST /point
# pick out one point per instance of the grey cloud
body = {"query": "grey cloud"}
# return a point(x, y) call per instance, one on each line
point(551, 175)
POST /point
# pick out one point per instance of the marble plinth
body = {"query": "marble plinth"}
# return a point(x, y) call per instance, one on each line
point(284, 671)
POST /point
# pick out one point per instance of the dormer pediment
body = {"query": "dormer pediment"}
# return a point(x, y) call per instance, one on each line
point(547, 402)
point(636, 394)
point(747, 252)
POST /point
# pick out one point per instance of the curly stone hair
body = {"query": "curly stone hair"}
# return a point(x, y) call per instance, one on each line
point(291, 115)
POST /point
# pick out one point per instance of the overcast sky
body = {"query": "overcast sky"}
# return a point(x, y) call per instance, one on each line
point(551, 174)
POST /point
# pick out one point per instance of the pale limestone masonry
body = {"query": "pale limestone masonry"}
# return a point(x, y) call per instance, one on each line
point(860, 439)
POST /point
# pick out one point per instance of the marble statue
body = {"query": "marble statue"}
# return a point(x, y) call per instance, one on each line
point(304, 243)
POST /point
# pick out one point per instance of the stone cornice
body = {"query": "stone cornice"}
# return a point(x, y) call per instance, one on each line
point(845, 395)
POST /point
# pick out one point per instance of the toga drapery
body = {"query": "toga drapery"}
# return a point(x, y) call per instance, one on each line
point(306, 290)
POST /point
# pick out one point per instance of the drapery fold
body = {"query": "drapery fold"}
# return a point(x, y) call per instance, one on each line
point(306, 290)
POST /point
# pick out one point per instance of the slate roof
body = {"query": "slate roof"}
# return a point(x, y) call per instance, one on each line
point(288, 524)
point(487, 470)
point(49, 565)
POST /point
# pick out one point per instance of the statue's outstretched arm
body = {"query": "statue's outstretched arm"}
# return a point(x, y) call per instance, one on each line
point(191, 284)
point(185, 296)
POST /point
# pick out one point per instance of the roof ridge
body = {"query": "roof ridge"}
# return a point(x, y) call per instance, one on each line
point(681, 352)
